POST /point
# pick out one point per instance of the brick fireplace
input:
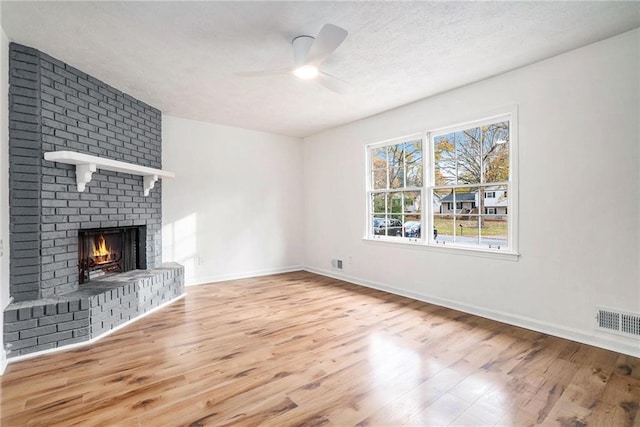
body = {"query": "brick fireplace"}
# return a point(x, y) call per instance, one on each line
point(55, 107)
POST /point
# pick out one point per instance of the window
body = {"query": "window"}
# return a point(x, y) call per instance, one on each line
point(395, 189)
point(469, 161)
point(462, 195)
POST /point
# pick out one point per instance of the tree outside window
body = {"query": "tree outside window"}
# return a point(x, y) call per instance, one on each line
point(471, 164)
point(396, 193)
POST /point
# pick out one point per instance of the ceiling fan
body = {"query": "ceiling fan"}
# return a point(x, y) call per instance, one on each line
point(309, 53)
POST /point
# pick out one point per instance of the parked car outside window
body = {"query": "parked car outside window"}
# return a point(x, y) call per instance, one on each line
point(387, 227)
point(413, 229)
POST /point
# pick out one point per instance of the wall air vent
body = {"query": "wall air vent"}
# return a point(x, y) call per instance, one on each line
point(630, 324)
point(618, 322)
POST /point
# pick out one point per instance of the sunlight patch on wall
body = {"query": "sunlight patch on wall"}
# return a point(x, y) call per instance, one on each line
point(179, 243)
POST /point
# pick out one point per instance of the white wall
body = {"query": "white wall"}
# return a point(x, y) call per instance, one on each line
point(579, 197)
point(4, 185)
point(234, 208)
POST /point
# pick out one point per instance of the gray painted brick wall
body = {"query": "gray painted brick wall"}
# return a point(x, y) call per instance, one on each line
point(25, 152)
point(55, 107)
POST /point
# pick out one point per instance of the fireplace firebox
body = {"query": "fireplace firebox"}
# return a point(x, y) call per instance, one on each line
point(110, 250)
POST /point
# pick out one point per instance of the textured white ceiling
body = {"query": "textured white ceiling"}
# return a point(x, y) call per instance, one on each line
point(181, 56)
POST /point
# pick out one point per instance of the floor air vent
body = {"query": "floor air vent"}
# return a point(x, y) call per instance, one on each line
point(618, 322)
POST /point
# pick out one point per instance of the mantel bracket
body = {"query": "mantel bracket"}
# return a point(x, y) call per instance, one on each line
point(84, 173)
point(149, 183)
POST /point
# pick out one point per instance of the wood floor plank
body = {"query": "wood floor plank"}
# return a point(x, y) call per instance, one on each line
point(303, 349)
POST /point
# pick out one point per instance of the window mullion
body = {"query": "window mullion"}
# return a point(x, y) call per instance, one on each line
point(455, 208)
point(388, 169)
point(482, 158)
point(492, 184)
point(404, 165)
point(428, 181)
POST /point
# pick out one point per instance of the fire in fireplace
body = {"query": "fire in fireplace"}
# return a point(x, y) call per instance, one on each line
point(110, 250)
point(102, 255)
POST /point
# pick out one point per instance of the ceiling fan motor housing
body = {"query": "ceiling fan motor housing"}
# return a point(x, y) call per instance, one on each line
point(301, 46)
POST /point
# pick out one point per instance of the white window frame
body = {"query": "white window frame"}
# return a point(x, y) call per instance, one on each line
point(370, 190)
point(426, 239)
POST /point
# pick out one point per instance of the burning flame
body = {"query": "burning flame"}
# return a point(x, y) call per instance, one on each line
point(101, 250)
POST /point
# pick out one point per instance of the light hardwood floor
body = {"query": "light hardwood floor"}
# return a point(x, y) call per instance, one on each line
point(303, 349)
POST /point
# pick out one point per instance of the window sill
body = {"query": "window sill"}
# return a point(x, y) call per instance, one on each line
point(451, 249)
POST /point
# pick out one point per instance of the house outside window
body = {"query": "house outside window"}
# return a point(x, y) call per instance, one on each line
point(468, 173)
point(468, 161)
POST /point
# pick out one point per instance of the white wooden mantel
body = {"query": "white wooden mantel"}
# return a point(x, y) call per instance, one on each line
point(86, 165)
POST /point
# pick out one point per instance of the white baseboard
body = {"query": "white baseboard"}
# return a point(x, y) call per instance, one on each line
point(3, 361)
point(606, 342)
point(195, 281)
point(94, 339)
point(3, 353)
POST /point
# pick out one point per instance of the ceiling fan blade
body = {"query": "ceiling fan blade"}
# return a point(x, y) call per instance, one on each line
point(333, 83)
point(263, 72)
point(328, 39)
